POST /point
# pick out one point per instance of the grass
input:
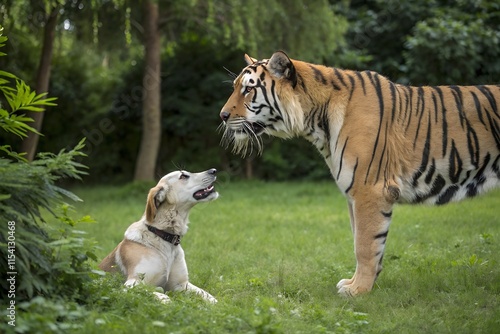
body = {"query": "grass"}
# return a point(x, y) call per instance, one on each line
point(272, 253)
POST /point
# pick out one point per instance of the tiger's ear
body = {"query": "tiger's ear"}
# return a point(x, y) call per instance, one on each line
point(156, 197)
point(250, 60)
point(282, 67)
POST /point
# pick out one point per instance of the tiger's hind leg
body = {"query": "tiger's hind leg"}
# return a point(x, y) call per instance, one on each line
point(370, 220)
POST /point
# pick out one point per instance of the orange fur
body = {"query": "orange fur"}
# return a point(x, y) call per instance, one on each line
point(383, 142)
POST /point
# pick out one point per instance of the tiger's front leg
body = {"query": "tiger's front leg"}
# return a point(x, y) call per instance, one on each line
point(370, 220)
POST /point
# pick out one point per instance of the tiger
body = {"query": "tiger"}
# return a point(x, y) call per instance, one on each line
point(384, 142)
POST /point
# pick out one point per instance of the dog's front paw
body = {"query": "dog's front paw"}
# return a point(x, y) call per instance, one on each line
point(211, 299)
point(162, 297)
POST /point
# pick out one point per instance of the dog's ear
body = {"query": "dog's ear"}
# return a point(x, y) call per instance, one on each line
point(156, 196)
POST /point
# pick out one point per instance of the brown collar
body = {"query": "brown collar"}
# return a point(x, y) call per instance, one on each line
point(174, 239)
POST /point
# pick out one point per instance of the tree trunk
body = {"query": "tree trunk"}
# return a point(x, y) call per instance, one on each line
point(151, 113)
point(249, 168)
point(30, 143)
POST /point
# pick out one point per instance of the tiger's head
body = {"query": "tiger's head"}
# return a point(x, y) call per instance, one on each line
point(263, 101)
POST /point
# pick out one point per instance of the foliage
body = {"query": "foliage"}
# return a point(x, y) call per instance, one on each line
point(194, 85)
point(427, 41)
point(447, 50)
point(99, 85)
point(17, 96)
point(40, 259)
point(262, 28)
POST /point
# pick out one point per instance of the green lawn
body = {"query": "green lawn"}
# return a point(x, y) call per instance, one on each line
point(272, 253)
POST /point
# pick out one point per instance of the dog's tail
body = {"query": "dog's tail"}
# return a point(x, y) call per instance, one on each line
point(109, 263)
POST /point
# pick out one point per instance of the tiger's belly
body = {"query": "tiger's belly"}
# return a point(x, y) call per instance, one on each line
point(440, 185)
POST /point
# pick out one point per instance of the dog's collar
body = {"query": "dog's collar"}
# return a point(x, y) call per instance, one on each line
point(174, 239)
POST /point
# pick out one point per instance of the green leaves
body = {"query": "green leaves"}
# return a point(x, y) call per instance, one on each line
point(47, 259)
point(19, 97)
point(3, 39)
point(23, 98)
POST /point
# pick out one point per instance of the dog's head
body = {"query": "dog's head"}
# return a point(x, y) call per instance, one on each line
point(182, 190)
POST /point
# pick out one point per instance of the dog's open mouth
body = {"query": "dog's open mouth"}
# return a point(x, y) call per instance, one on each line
point(204, 193)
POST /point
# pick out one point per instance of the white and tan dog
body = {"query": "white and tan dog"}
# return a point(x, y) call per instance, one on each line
point(150, 251)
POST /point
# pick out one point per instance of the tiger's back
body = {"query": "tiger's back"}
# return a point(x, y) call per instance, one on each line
point(437, 143)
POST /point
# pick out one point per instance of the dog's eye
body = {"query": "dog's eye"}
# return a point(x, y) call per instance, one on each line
point(184, 176)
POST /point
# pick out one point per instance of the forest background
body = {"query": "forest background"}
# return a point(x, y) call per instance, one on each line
point(144, 81)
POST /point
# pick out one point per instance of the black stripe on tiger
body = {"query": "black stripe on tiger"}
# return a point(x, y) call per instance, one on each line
point(434, 103)
point(472, 144)
point(381, 159)
point(353, 176)
point(491, 99)
point(420, 105)
point(495, 129)
point(300, 79)
point(437, 186)
point(360, 78)
point(407, 98)
point(448, 194)
point(379, 267)
point(386, 214)
point(393, 100)
point(351, 79)
point(479, 108)
point(374, 79)
point(342, 158)
point(382, 235)
point(479, 178)
point(455, 168)
point(496, 166)
point(430, 172)
point(318, 75)
point(444, 123)
point(425, 156)
point(340, 77)
point(457, 95)
point(275, 105)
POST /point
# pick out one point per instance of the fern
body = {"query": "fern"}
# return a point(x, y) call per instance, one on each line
point(50, 255)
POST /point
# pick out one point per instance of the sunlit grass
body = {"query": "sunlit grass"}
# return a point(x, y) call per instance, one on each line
point(272, 253)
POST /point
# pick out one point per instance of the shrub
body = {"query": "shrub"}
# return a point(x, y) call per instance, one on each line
point(46, 263)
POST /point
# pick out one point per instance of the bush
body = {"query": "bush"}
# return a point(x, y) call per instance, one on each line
point(46, 264)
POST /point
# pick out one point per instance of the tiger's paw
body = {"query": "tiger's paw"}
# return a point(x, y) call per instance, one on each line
point(347, 288)
point(347, 291)
point(344, 282)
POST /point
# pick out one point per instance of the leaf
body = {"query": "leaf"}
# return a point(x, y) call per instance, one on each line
point(8, 75)
point(5, 196)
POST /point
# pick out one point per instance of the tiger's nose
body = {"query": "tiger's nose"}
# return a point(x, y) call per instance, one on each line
point(224, 115)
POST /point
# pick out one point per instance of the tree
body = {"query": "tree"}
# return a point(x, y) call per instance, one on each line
point(309, 30)
point(427, 41)
point(30, 143)
point(151, 113)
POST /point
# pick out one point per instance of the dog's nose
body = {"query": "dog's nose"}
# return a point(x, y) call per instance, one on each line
point(224, 115)
point(212, 171)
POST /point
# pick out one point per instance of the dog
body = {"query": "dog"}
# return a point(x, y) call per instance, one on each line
point(150, 251)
